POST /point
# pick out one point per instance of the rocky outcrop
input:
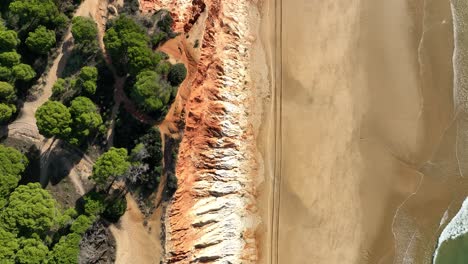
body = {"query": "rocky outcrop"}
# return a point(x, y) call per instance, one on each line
point(212, 217)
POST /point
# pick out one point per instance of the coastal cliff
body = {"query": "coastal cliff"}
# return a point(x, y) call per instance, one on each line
point(212, 217)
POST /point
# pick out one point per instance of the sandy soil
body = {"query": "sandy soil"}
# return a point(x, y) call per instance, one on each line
point(135, 242)
point(362, 112)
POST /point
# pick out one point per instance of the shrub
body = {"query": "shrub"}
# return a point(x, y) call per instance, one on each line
point(59, 87)
point(177, 74)
point(94, 204)
point(158, 38)
point(115, 209)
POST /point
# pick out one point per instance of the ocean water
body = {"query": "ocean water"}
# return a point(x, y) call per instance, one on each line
point(452, 246)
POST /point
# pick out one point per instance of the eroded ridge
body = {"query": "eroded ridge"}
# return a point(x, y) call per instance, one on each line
point(212, 217)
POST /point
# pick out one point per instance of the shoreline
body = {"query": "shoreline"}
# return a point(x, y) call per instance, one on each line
point(262, 61)
point(457, 225)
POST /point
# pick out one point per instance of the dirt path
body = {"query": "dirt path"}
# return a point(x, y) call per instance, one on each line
point(25, 125)
point(137, 243)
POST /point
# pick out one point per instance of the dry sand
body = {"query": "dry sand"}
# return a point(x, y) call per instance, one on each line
point(366, 102)
point(264, 65)
point(137, 243)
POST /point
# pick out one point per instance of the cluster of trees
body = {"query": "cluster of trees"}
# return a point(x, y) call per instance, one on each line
point(128, 45)
point(163, 29)
point(73, 124)
point(12, 165)
point(84, 83)
point(11, 72)
point(28, 33)
point(154, 79)
point(26, 15)
point(146, 160)
point(33, 229)
point(71, 115)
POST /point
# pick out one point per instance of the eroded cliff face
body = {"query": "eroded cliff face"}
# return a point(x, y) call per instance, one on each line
point(212, 216)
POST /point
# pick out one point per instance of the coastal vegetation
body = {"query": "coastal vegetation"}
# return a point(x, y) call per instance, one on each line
point(87, 114)
point(152, 80)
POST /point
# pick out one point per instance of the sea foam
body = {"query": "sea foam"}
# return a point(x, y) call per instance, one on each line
point(457, 227)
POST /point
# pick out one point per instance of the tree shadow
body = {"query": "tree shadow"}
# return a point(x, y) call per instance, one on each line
point(34, 166)
point(59, 161)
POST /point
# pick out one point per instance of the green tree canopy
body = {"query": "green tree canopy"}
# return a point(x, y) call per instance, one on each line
point(34, 12)
point(88, 73)
point(81, 224)
point(7, 92)
point(109, 166)
point(5, 73)
point(23, 72)
point(12, 165)
point(84, 31)
point(9, 244)
point(165, 22)
point(59, 87)
point(150, 92)
point(87, 79)
point(94, 204)
point(67, 217)
point(41, 40)
point(177, 74)
point(141, 58)
point(66, 250)
point(8, 40)
point(10, 58)
point(6, 112)
point(127, 43)
point(32, 251)
point(163, 68)
point(53, 119)
point(31, 210)
point(85, 115)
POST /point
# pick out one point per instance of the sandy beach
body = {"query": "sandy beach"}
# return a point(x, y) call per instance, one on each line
point(366, 104)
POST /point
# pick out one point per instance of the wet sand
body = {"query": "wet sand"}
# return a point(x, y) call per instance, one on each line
point(366, 109)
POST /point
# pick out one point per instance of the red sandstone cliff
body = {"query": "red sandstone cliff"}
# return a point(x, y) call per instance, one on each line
point(212, 217)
